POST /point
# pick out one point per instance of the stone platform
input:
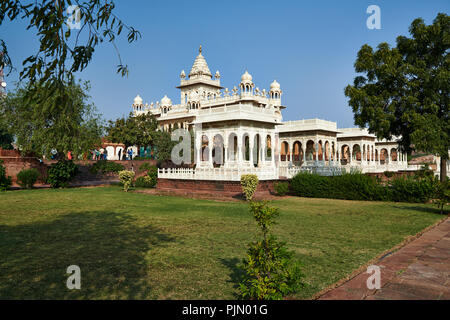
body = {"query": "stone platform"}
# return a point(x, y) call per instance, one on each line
point(211, 189)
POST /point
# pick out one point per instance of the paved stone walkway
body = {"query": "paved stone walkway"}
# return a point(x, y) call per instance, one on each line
point(419, 270)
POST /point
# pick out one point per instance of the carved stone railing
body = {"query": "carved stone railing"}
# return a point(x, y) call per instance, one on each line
point(220, 174)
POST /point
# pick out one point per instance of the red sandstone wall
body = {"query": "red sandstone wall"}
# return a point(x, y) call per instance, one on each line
point(395, 175)
point(14, 163)
point(213, 186)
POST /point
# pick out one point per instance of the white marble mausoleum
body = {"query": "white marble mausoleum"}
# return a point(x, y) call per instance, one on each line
point(242, 131)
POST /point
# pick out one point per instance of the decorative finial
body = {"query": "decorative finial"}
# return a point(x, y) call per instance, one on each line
point(200, 49)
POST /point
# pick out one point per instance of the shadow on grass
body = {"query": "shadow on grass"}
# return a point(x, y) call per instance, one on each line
point(112, 250)
point(236, 273)
point(433, 209)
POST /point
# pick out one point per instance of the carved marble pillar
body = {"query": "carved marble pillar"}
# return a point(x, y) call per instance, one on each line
point(272, 149)
point(316, 146)
point(239, 152)
point(210, 151)
point(251, 143)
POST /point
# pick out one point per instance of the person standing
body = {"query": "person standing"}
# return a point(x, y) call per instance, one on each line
point(120, 154)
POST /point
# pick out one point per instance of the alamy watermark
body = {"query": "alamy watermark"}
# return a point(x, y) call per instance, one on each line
point(74, 280)
point(374, 20)
point(374, 281)
point(74, 19)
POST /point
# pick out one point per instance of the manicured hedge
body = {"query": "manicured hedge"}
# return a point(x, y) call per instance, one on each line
point(357, 186)
point(281, 188)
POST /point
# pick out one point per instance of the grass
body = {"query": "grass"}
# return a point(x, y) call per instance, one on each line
point(138, 246)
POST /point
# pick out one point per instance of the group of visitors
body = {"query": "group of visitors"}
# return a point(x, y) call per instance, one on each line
point(98, 154)
point(101, 154)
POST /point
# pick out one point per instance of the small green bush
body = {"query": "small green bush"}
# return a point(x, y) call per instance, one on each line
point(281, 188)
point(249, 183)
point(105, 166)
point(150, 180)
point(145, 166)
point(442, 197)
point(5, 182)
point(144, 182)
point(27, 178)
point(270, 272)
point(126, 178)
point(389, 174)
point(61, 173)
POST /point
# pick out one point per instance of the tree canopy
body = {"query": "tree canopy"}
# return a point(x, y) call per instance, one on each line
point(64, 49)
point(49, 111)
point(134, 130)
point(38, 127)
point(6, 139)
point(141, 130)
point(404, 91)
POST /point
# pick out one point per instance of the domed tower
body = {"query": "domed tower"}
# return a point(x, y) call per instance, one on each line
point(193, 100)
point(138, 104)
point(200, 69)
point(246, 84)
point(166, 105)
point(199, 80)
point(275, 93)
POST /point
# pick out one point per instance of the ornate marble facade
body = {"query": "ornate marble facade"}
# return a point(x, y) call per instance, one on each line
point(242, 131)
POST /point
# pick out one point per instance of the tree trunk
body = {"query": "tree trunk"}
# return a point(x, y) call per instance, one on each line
point(443, 169)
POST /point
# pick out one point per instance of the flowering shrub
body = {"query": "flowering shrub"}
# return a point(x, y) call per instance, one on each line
point(249, 183)
point(126, 178)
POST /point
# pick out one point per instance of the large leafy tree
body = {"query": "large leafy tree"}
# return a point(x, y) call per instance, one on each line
point(6, 139)
point(133, 131)
point(404, 91)
point(164, 146)
point(51, 93)
point(37, 128)
point(62, 48)
point(141, 130)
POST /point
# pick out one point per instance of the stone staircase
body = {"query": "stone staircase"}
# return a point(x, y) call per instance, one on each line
point(87, 178)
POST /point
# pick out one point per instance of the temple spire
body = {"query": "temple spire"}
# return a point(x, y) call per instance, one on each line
point(200, 67)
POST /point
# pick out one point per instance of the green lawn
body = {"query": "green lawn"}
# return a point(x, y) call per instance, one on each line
point(138, 246)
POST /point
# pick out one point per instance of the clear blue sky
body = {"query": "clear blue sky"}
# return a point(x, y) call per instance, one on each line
point(309, 47)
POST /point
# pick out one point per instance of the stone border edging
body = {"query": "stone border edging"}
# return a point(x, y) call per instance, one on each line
point(385, 253)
